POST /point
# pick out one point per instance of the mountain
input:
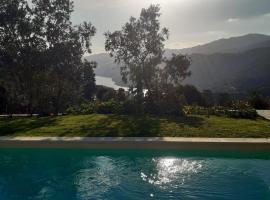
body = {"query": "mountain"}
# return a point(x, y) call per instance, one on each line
point(239, 72)
point(219, 66)
point(229, 45)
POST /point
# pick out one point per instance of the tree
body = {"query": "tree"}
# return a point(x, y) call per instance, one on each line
point(121, 95)
point(257, 101)
point(20, 48)
point(139, 48)
point(3, 99)
point(208, 96)
point(66, 44)
point(41, 54)
point(104, 93)
point(191, 94)
point(224, 99)
point(88, 80)
point(175, 70)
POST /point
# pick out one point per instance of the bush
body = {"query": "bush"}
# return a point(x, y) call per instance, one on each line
point(168, 103)
point(240, 110)
point(244, 113)
point(107, 107)
point(198, 110)
point(129, 107)
point(83, 109)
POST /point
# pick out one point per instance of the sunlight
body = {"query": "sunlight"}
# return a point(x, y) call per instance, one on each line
point(167, 1)
point(172, 169)
point(163, 3)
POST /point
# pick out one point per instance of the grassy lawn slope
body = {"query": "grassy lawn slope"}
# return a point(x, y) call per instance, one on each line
point(115, 125)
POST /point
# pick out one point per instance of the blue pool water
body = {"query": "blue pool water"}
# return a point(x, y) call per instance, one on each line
point(132, 174)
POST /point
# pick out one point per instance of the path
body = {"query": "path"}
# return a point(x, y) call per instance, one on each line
point(264, 113)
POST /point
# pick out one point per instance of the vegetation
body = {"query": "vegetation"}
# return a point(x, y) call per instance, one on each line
point(258, 101)
point(244, 113)
point(232, 67)
point(42, 71)
point(123, 125)
point(41, 67)
point(139, 48)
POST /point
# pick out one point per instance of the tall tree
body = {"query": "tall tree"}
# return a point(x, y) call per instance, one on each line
point(139, 48)
point(66, 44)
point(41, 53)
point(20, 49)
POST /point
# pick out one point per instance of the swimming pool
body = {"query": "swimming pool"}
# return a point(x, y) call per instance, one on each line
point(132, 174)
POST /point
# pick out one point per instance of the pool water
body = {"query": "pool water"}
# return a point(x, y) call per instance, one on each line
point(132, 174)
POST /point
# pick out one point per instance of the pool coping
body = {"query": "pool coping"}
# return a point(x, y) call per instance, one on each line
point(258, 144)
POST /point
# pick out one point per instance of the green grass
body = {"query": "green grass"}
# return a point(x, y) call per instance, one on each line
point(120, 125)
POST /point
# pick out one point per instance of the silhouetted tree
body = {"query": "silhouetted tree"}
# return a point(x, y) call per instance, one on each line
point(175, 70)
point(104, 93)
point(191, 94)
point(224, 99)
point(259, 102)
point(208, 98)
point(121, 95)
point(41, 54)
point(139, 49)
point(3, 100)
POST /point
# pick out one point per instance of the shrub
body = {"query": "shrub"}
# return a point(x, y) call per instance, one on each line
point(239, 111)
point(128, 107)
point(83, 109)
point(244, 113)
point(111, 107)
point(167, 103)
point(107, 107)
point(104, 93)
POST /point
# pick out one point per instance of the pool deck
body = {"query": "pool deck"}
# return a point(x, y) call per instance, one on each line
point(250, 144)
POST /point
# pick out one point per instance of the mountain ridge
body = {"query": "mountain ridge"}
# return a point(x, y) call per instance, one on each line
point(244, 69)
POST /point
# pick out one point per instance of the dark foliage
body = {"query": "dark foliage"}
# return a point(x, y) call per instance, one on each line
point(139, 49)
point(41, 56)
point(258, 101)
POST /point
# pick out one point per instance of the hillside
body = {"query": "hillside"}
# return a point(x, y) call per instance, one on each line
point(247, 70)
point(229, 45)
point(241, 72)
point(100, 125)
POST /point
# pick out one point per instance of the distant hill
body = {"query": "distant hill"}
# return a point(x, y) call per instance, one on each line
point(229, 45)
point(240, 72)
point(229, 69)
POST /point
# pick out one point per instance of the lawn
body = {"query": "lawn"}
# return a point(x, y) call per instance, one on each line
point(120, 125)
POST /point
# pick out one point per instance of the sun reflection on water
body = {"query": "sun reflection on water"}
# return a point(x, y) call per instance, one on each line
point(171, 170)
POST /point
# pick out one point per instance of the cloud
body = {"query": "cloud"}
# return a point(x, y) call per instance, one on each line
point(267, 15)
point(190, 22)
point(232, 20)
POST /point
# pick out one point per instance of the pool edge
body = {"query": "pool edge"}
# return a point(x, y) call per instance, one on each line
point(249, 144)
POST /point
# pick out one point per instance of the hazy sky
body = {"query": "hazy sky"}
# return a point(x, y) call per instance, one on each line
point(190, 22)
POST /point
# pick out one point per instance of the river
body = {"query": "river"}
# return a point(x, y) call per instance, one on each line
point(108, 82)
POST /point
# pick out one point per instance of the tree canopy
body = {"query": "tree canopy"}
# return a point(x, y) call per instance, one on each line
point(41, 54)
point(139, 47)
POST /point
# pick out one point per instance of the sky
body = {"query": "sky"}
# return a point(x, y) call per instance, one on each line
point(190, 22)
